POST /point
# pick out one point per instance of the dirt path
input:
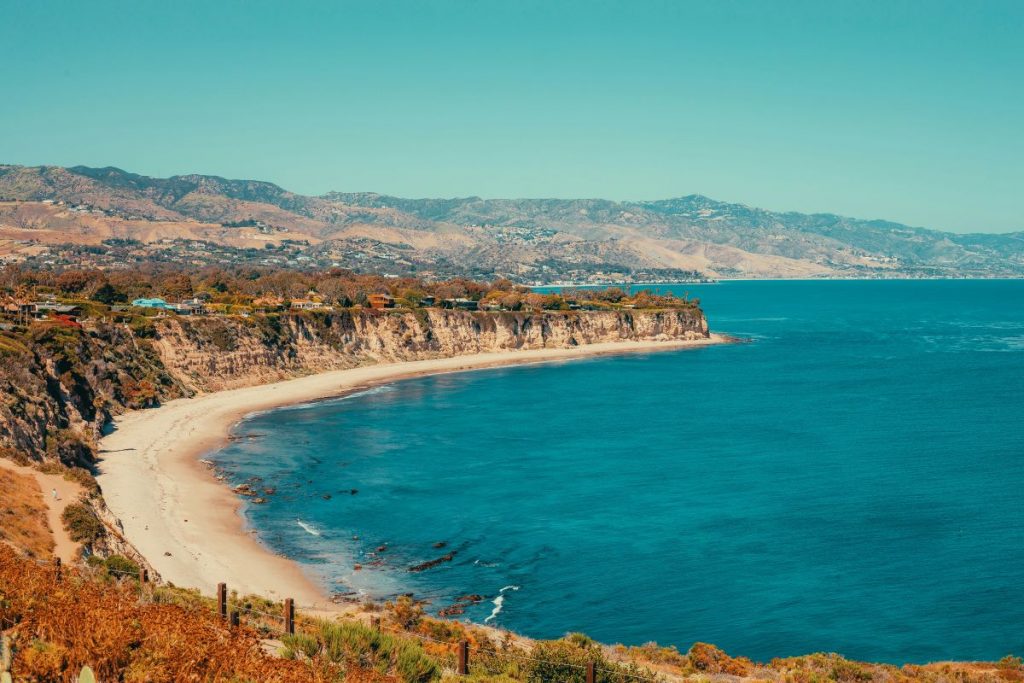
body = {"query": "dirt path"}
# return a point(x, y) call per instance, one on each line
point(67, 492)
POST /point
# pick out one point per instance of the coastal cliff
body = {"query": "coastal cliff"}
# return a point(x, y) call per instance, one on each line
point(209, 354)
point(62, 384)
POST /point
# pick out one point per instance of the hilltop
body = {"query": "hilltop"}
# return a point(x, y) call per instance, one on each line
point(200, 219)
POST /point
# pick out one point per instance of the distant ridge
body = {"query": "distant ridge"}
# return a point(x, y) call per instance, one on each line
point(537, 240)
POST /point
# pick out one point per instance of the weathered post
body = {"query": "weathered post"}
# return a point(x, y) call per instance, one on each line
point(143, 575)
point(222, 600)
point(6, 655)
point(234, 618)
point(56, 569)
point(463, 669)
point(591, 673)
point(289, 616)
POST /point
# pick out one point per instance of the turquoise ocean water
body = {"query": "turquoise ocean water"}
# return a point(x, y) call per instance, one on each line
point(850, 480)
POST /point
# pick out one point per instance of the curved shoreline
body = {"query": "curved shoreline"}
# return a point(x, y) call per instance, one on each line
point(186, 523)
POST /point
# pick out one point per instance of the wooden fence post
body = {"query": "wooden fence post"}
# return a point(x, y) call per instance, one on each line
point(234, 618)
point(289, 616)
point(463, 658)
point(143, 575)
point(591, 673)
point(6, 655)
point(222, 600)
point(56, 569)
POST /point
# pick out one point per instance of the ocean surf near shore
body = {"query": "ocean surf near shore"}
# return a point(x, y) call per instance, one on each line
point(185, 522)
point(848, 482)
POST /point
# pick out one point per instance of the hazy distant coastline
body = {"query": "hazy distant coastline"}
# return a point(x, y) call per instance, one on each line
point(106, 216)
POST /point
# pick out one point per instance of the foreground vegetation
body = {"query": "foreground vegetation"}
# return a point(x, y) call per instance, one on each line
point(128, 631)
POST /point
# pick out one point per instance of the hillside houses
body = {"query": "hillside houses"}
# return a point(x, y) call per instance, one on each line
point(307, 305)
point(461, 304)
point(24, 312)
point(45, 309)
point(380, 301)
point(194, 306)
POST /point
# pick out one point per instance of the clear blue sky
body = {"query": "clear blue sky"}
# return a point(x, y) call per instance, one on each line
point(912, 111)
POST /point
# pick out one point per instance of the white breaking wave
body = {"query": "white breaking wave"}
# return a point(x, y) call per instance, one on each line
point(309, 528)
point(499, 603)
point(382, 389)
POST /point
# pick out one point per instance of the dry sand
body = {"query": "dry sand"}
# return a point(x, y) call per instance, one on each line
point(186, 523)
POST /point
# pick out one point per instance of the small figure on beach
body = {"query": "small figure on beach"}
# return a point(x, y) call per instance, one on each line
point(55, 496)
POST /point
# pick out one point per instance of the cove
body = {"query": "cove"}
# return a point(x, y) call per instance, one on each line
point(849, 480)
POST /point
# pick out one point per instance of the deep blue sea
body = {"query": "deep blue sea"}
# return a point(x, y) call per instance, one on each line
point(850, 480)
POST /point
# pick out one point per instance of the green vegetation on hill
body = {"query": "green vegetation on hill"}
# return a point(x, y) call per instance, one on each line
point(245, 289)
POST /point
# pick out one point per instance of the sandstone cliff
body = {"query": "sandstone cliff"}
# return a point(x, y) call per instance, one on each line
point(62, 384)
point(208, 354)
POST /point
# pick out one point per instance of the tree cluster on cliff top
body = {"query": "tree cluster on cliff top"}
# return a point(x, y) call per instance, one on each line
point(336, 287)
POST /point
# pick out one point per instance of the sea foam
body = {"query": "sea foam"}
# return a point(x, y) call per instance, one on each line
point(499, 603)
point(309, 528)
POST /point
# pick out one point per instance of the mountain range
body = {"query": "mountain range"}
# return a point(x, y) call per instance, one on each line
point(529, 240)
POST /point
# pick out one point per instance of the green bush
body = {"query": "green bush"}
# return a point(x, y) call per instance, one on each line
point(82, 523)
point(350, 642)
point(300, 643)
point(413, 665)
point(142, 326)
point(565, 661)
point(559, 661)
point(120, 566)
point(355, 643)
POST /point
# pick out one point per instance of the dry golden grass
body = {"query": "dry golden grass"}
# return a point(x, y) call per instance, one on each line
point(118, 629)
point(23, 515)
point(59, 626)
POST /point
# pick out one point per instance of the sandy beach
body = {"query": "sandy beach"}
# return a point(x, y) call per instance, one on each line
point(186, 522)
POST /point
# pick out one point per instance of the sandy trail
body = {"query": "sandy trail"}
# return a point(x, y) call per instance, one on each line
point(186, 523)
point(67, 492)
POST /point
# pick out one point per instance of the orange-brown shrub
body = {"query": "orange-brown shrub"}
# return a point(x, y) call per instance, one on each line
point(60, 626)
point(710, 659)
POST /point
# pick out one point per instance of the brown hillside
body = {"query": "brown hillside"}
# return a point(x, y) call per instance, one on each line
point(23, 515)
point(535, 239)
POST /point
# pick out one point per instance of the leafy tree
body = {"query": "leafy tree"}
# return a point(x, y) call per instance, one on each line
point(109, 294)
point(82, 523)
point(76, 281)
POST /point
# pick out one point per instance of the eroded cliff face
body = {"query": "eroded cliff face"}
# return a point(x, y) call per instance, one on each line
point(61, 384)
point(209, 354)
